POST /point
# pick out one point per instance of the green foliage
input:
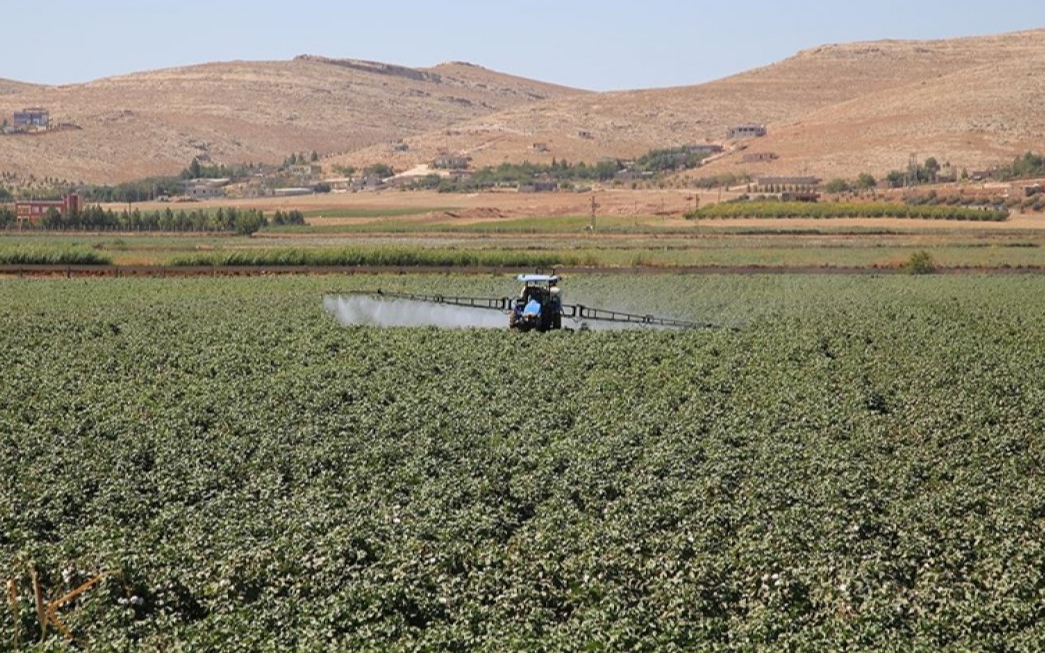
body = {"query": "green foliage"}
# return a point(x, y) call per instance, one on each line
point(837, 186)
point(382, 170)
point(921, 262)
point(379, 256)
point(827, 210)
point(723, 180)
point(670, 160)
point(95, 218)
point(1030, 165)
point(866, 182)
point(197, 170)
point(856, 469)
point(292, 218)
point(50, 255)
point(142, 190)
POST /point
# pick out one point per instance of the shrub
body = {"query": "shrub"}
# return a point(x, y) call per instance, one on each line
point(921, 262)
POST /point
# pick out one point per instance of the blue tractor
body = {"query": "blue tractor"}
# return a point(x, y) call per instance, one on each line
point(538, 306)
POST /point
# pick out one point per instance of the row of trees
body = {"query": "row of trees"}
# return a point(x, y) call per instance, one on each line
point(670, 160)
point(1029, 165)
point(95, 218)
point(863, 182)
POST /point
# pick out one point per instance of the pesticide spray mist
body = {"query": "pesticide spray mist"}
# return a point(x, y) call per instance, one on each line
point(371, 311)
point(362, 310)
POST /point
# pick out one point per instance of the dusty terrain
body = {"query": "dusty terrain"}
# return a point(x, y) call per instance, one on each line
point(835, 110)
point(156, 122)
point(832, 111)
point(668, 206)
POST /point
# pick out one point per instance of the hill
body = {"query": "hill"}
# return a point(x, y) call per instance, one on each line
point(9, 86)
point(155, 122)
point(925, 95)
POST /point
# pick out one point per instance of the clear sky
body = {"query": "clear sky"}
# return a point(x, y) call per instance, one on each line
point(595, 44)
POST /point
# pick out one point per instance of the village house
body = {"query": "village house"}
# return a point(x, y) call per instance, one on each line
point(452, 162)
point(540, 186)
point(37, 117)
point(205, 189)
point(746, 131)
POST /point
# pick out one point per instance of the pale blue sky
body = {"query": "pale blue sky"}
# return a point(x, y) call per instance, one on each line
point(596, 44)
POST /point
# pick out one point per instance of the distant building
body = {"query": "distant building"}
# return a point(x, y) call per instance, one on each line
point(585, 134)
point(800, 196)
point(367, 182)
point(34, 211)
point(32, 117)
point(746, 131)
point(204, 189)
point(947, 174)
point(983, 175)
point(291, 192)
point(760, 157)
point(540, 186)
point(401, 147)
point(540, 147)
point(450, 162)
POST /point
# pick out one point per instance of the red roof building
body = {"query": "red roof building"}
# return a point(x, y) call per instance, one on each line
point(35, 211)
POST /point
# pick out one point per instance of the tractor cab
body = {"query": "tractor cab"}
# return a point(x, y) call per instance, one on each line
point(538, 306)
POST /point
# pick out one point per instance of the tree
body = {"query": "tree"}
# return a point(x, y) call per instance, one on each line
point(837, 186)
point(896, 179)
point(194, 169)
point(382, 170)
point(866, 182)
point(314, 157)
point(932, 168)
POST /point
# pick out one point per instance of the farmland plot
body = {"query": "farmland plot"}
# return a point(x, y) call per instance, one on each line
point(858, 467)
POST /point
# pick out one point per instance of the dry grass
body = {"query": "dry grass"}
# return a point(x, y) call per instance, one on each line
point(835, 110)
point(832, 111)
point(155, 122)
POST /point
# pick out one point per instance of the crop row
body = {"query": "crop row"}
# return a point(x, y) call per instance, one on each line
point(858, 467)
point(390, 256)
point(846, 210)
point(51, 255)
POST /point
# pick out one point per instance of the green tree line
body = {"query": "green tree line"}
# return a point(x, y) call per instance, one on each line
point(95, 218)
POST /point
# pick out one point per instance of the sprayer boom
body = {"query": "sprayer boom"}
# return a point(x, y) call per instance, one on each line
point(546, 304)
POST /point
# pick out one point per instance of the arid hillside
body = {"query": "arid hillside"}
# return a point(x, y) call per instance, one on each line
point(973, 118)
point(831, 110)
point(156, 122)
point(8, 86)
